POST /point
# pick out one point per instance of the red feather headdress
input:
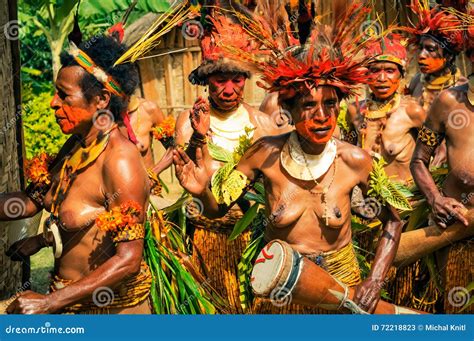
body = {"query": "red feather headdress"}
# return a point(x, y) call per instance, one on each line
point(331, 55)
point(437, 23)
point(465, 13)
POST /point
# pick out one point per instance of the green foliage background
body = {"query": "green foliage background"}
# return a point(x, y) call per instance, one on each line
point(41, 132)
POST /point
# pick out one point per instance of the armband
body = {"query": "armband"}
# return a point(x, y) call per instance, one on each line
point(430, 137)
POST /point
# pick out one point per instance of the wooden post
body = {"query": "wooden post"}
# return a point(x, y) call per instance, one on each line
point(11, 143)
point(149, 82)
point(187, 86)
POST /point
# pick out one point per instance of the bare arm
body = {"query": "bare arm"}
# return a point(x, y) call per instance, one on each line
point(430, 137)
point(368, 292)
point(131, 184)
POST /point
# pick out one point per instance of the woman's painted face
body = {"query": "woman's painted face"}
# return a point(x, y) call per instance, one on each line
point(226, 90)
point(72, 111)
point(384, 79)
point(315, 114)
point(431, 57)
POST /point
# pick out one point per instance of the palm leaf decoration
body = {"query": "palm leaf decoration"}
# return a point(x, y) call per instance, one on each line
point(228, 183)
point(386, 191)
point(245, 266)
point(218, 153)
point(177, 287)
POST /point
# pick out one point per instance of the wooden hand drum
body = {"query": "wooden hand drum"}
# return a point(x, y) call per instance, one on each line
point(276, 271)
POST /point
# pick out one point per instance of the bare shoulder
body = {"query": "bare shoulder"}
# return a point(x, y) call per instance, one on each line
point(123, 170)
point(446, 100)
point(121, 152)
point(153, 110)
point(413, 108)
point(266, 146)
point(354, 157)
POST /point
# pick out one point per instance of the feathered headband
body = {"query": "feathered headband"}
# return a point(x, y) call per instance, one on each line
point(390, 48)
point(88, 64)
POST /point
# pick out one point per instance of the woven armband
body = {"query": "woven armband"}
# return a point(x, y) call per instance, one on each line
point(429, 137)
point(128, 233)
point(36, 192)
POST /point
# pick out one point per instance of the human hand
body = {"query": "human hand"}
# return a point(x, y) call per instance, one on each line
point(445, 210)
point(200, 116)
point(367, 294)
point(192, 176)
point(29, 302)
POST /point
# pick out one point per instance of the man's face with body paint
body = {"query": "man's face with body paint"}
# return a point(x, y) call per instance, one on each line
point(431, 58)
point(384, 79)
point(226, 90)
point(315, 114)
point(72, 110)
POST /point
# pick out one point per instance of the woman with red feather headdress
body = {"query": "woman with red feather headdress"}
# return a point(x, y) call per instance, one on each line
point(308, 175)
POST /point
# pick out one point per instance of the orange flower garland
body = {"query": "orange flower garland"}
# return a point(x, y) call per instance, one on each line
point(122, 222)
point(165, 130)
point(37, 169)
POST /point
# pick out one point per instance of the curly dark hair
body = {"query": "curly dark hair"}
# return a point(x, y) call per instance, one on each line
point(104, 51)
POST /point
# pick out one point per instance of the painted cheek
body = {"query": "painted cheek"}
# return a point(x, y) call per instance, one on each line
point(71, 117)
point(394, 84)
point(304, 128)
point(434, 64)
